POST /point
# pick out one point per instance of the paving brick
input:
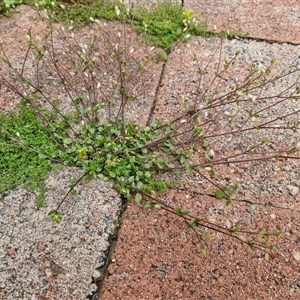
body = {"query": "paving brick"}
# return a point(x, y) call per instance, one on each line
point(264, 19)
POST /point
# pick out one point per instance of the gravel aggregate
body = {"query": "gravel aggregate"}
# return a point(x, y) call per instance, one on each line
point(40, 259)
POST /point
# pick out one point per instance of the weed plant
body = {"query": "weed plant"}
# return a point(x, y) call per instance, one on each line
point(160, 24)
point(75, 111)
point(8, 6)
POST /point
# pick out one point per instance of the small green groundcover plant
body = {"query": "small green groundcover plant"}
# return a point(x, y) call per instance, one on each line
point(73, 113)
point(161, 25)
point(8, 6)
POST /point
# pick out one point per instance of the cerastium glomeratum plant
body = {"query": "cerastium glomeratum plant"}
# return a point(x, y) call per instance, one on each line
point(83, 92)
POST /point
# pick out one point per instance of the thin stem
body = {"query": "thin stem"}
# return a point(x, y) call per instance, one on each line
point(70, 190)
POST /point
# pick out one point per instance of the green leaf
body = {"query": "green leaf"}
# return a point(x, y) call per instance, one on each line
point(67, 141)
point(73, 192)
point(193, 223)
point(171, 166)
point(139, 173)
point(41, 155)
point(277, 233)
point(178, 171)
point(158, 205)
point(189, 168)
point(92, 130)
point(147, 204)
point(140, 185)
point(184, 212)
point(203, 251)
point(208, 237)
point(147, 174)
point(228, 202)
point(112, 174)
point(159, 164)
point(74, 180)
point(276, 247)
point(181, 211)
point(213, 169)
point(250, 244)
point(177, 210)
point(168, 145)
point(234, 229)
point(138, 198)
point(131, 179)
point(219, 194)
point(71, 150)
point(207, 157)
point(263, 234)
point(182, 159)
point(55, 216)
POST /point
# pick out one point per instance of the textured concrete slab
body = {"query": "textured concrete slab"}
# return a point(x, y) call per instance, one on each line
point(273, 20)
point(40, 259)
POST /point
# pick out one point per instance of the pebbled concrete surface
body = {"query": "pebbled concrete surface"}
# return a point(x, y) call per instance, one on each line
point(40, 259)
